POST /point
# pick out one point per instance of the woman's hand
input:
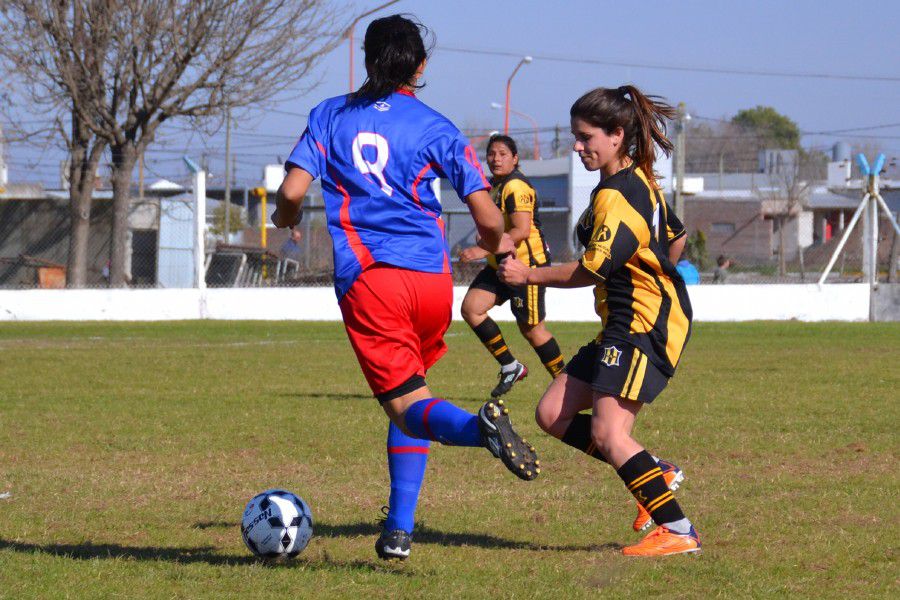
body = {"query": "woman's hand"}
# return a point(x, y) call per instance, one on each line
point(472, 254)
point(512, 272)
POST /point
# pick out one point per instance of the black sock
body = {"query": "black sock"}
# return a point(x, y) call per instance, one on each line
point(644, 479)
point(551, 357)
point(492, 338)
point(578, 435)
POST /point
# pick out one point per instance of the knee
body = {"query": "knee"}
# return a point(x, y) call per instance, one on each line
point(471, 314)
point(605, 437)
point(543, 417)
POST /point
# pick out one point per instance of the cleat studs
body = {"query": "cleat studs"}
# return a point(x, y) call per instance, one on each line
point(512, 454)
point(508, 445)
point(505, 411)
point(531, 448)
point(537, 470)
point(528, 473)
point(500, 402)
point(537, 463)
point(491, 405)
point(522, 467)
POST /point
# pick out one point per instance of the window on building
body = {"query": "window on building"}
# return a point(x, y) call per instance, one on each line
point(723, 228)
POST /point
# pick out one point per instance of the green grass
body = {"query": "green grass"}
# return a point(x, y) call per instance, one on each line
point(130, 450)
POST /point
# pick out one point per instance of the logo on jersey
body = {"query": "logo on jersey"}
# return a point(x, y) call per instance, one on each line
point(611, 356)
point(603, 234)
point(382, 106)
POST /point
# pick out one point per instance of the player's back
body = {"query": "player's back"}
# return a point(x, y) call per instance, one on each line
point(378, 161)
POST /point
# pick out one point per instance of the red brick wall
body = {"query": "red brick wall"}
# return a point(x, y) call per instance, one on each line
point(751, 241)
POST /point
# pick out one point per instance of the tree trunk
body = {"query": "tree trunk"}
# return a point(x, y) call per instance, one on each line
point(782, 265)
point(124, 158)
point(82, 178)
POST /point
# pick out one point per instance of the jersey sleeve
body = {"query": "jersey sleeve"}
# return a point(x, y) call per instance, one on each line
point(614, 239)
point(457, 161)
point(518, 197)
point(309, 152)
point(674, 227)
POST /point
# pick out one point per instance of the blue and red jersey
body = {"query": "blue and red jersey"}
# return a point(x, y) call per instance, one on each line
point(377, 162)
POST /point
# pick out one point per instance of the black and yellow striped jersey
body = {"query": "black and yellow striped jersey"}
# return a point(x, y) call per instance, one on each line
point(513, 193)
point(639, 296)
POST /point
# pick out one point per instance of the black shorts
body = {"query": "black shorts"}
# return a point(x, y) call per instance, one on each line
point(527, 302)
point(618, 369)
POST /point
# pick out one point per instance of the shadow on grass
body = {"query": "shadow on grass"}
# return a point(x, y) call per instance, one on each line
point(427, 535)
point(203, 554)
point(325, 395)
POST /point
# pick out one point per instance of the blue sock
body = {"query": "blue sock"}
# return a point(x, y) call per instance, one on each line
point(438, 420)
point(407, 458)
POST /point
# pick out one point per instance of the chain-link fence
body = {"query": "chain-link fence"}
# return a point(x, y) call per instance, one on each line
point(35, 241)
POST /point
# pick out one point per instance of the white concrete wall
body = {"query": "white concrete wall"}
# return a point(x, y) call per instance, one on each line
point(846, 302)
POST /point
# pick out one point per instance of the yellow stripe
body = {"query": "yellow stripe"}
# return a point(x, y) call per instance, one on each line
point(659, 501)
point(533, 313)
point(554, 361)
point(638, 382)
point(645, 478)
point(500, 350)
point(635, 359)
point(495, 340)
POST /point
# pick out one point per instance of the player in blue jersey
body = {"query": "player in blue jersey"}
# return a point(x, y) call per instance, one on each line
point(377, 152)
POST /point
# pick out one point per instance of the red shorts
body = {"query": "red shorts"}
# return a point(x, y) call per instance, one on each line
point(396, 320)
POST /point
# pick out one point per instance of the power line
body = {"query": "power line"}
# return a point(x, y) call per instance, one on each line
point(662, 67)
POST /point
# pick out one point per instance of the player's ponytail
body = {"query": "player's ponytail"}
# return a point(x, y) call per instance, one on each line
point(641, 117)
point(394, 49)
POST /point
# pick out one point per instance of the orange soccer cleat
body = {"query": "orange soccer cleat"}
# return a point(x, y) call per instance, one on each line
point(663, 542)
point(673, 476)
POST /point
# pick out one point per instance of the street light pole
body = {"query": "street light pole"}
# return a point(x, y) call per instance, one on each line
point(525, 60)
point(349, 33)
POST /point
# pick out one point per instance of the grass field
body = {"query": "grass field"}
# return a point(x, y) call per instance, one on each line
point(129, 451)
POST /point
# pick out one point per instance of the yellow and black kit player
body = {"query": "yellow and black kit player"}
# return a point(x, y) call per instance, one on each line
point(517, 200)
point(632, 242)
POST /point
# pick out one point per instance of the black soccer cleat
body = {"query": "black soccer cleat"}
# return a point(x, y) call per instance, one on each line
point(503, 442)
point(508, 379)
point(392, 545)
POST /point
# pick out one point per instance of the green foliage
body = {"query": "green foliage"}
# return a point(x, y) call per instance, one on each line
point(236, 219)
point(695, 249)
point(780, 131)
point(130, 449)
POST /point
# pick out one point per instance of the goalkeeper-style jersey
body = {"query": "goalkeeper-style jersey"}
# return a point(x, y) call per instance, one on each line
point(377, 162)
point(640, 297)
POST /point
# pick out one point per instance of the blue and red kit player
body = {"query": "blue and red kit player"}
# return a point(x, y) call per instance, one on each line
point(377, 153)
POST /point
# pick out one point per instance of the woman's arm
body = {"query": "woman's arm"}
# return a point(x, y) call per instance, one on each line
point(566, 275)
point(289, 198)
point(676, 248)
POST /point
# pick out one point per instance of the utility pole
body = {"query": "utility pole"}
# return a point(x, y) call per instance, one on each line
point(679, 161)
point(4, 174)
point(227, 174)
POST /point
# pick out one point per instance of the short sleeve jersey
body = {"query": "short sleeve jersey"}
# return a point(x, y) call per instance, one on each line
point(640, 297)
point(377, 162)
point(514, 193)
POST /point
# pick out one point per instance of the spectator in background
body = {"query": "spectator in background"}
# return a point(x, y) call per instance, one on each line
point(720, 275)
point(688, 272)
point(291, 247)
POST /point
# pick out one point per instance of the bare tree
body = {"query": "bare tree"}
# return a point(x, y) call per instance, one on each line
point(121, 68)
point(786, 193)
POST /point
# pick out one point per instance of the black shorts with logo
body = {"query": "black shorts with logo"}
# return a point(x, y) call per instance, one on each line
point(527, 302)
point(618, 369)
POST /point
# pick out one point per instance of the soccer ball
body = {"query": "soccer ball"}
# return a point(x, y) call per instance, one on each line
point(276, 524)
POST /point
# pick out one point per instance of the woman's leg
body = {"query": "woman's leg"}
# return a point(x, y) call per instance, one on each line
point(474, 309)
point(545, 346)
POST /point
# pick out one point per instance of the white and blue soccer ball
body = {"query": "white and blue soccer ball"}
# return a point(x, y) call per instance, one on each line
point(276, 524)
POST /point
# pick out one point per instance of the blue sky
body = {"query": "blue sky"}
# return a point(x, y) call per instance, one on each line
point(795, 36)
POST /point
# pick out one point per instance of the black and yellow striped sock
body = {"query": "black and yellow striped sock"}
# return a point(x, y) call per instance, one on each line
point(578, 435)
point(552, 358)
point(644, 479)
point(490, 335)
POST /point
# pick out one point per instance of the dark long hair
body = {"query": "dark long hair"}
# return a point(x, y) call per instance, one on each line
point(641, 117)
point(394, 49)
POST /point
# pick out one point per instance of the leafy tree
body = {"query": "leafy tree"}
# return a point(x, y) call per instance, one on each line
point(775, 128)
